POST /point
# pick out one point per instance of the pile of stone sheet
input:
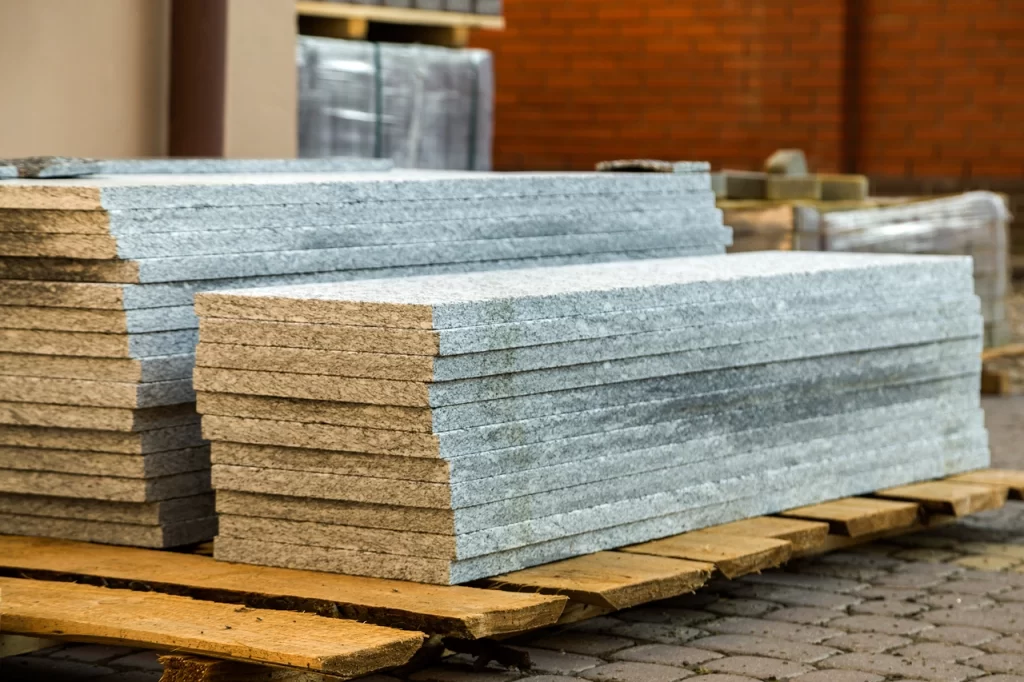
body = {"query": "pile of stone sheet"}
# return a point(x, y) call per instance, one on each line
point(443, 429)
point(99, 261)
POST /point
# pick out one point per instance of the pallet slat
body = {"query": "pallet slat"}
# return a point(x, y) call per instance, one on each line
point(184, 668)
point(945, 497)
point(342, 648)
point(397, 15)
point(858, 516)
point(609, 580)
point(451, 611)
point(803, 535)
point(1006, 478)
point(732, 555)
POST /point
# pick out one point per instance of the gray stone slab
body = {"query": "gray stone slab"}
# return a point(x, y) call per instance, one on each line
point(145, 513)
point(167, 191)
point(486, 298)
point(491, 7)
point(110, 488)
point(95, 393)
point(72, 167)
point(87, 344)
point(141, 443)
point(153, 465)
point(99, 321)
point(402, 367)
point(97, 418)
point(702, 227)
point(8, 171)
point(172, 534)
point(144, 370)
point(416, 394)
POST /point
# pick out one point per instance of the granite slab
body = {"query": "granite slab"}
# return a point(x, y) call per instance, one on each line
point(154, 465)
point(110, 488)
point(141, 370)
point(96, 393)
point(145, 513)
point(97, 418)
point(99, 321)
point(141, 443)
point(73, 167)
point(88, 344)
point(162, 536)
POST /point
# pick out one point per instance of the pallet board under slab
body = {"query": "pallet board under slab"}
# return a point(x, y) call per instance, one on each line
point(803, 535)
point(732, 555)
point(947, 497)
point(859, 516)
point(451, 611)
point(1009, 478)
point(84, 613)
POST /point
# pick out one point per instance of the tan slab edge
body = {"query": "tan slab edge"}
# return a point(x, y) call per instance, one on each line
point(339, 647)
point(70, 270)
point(62, 294)
point(37, 221)
point(611, 580)
point(1004, 478)
point(944, 497)
point(803, 535)
point(99, 321)
point(732, 555)
point(857, 516)
point(451, 611)
point(28, 245)
point(318, 336)
point(393, 366)
point(97, 419)
point(279, 308)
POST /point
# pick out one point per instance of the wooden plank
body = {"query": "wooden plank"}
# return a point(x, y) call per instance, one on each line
point(325, 27)
point(945, 497)
point(343, 648)
point(803, 535)
point(856, 516)
point(451, 611)
point(732, 555)
point(16, 645)
point(398, 15)
point(184, 668)
point(1004, 478)
point(1009, 350)
point(609, 580)
point(995, 382)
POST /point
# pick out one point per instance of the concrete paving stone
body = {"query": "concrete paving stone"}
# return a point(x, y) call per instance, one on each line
point(715, 677)
point(600, 624)
point(655, 613)
point(758, 667)
point(998, 618)
point(887, 607)
point(1003, 678)
point(957, 601)
point(694, 601)
point(588, 644)
point(838, 676)
point(866, 560)
point(772, 647)
point(988, 563)
point(1011, 644)
point(908, 581)
point(884, 664)
point(958, 634)
point(451, 673)
point(35, 669)
point(661, 633)
point(803, 615)
point(882, 625)
point(558, 663)
point(926, 554)
point(994, 549)
point(628, 671)
point(91, 653)
point(935, 651)
point(1000, 663)
point(666, 654)
point(810, 634)
point(133, 676)
point(928, 569)
point(897, 593)
point(808, 582)
point(549, 678)
point(867, 642)
point(793, 596)
point(1015, 595)
point(741, 607)
point(990, 585)
point(859, 574)
point(144, 660)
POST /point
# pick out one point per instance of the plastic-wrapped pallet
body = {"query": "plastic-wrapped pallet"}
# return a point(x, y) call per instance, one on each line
point(421, 106)
point(972, 224)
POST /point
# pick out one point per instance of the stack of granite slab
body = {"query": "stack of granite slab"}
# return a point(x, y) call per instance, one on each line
point(443, 429)
point(99, 437)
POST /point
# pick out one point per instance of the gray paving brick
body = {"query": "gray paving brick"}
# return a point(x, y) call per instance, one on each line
point(883, 592)
point(929, 569)
point(955, 601)
point(804, 615)
point(1012, 644)
point(861, 574)
point(765, 646)
point(36, 669)
point(694, 601)
point(758, 667)
point(1003, 678)
point(133, 676)
point(587, 643)
point(867, 642)
point(662, 633)
point(884, 664)
point(953, 634)
point(740, 607)
point(1013, 595)
point(716, 677)
point(811, 634)
point(937, 651)
point(653, 614)
point(91, 653)
point(1000, 663)
point(926, 554)
point(887, 607)
point(794, 596)
point(807, 582)
point(666, 654)
point(451, 673)
point(998, 618)
point(859, 558)
point(838, 676)
point(629, 671)
point(991, 586)
point(143, 660)
point(908, 581)
point(549, 678)
point(880, 624)
point(599, 624)
point(557, 663)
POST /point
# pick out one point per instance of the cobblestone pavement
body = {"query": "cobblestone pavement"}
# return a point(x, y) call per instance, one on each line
point(942, 606)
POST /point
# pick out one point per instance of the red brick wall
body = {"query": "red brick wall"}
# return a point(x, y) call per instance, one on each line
point(943, 88)
point(580, 81)
point(940, 88)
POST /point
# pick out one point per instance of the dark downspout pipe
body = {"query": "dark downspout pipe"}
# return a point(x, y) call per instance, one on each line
point(197, 77)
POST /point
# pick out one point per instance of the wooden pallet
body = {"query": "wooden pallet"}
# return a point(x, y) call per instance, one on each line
point(995, 381)
point(391, 24)
point(233, 617)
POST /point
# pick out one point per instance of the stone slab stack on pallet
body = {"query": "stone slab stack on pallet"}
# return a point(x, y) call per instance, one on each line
point(443, 429)
point(99, 438)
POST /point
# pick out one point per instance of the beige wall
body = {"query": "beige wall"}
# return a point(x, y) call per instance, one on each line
point(83, 77)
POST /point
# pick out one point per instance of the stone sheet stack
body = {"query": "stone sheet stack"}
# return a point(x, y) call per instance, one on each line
point(443, 429)
point(99, 438)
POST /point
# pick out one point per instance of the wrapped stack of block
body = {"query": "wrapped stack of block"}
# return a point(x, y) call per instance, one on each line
point(443, 429)
point(99, 437)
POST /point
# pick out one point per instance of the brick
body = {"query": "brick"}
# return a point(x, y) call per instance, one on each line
point(884, 664)
point(882, 625)
point(1000, 663)
point(887, 607)
point(807, 582)
point(586, 643)
point(804, 615)
point(627, 671)
point(91, 653)
point(838, 676)
point(666, 654)
point(765, 646)
point(662, 633)
point(934, 651)
point(557, 663)
point(741, 607)
point(867, 642)
point(793, 596)
point(952, 634)
point(810, 634)
point(758, 667)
